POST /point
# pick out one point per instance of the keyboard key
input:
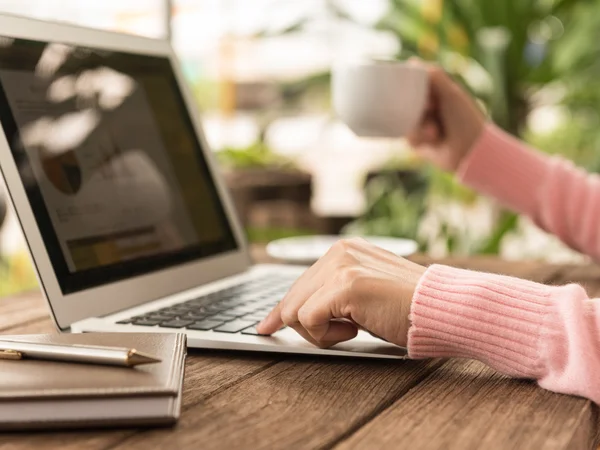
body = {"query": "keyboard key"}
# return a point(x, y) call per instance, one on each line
point(183, 308)
point(269, 305)
point(215, 308)
point(171, 312)
point(252, 331)
point(161, 313)
point(242, 309)
point(254, 317)
point(199, 301)
point(146, 322)
point(195, 316)
point(205, 325)
point(221, 318)
point(189, 308)
point(166, 311)
point(235, 325)
point(249, 301)
point(125, 321)
point(229, 303)
point(161, 317)
point(176, 323)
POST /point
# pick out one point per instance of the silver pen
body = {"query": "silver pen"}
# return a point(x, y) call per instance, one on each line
point(89, 354)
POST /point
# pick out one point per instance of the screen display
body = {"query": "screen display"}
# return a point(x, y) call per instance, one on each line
point(110, 161)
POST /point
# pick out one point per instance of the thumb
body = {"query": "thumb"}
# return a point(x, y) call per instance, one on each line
point(440, 82)
point(444, 89)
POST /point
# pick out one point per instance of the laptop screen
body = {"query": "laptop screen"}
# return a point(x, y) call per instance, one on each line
point(110, 161)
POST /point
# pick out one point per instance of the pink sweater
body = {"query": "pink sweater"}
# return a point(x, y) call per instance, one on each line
point(520, 328)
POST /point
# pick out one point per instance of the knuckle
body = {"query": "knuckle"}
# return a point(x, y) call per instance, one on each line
point(355, 282)
point(347, 274)
point(288, 316)
point(307, 318)
point(348, 260)
point(437, 73)
point(343, 249)
point(357, 240)
point(359, 283)
point(436, 70)
point(341, 245)
point(354, 242)
point(348, 242)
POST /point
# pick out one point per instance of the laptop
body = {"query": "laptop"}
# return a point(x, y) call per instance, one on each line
point(127, 219)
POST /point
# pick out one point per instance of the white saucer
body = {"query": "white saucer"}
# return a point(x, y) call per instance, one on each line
point(308, 249)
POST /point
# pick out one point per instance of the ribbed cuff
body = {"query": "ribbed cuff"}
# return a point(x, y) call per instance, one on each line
point(505, 168)
point(492, 318)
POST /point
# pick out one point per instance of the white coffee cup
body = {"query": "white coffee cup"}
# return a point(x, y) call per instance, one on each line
point(384, 99)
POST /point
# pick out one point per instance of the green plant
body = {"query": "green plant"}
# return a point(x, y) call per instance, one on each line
point(392, 210)
point(256, 155)
point(397, 203)
point(268, 234)
point(16, 274)
point(577, 139)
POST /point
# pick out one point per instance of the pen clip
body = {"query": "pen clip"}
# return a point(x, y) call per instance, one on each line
point(10, 354)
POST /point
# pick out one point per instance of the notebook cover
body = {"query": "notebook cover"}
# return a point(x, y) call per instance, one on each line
point(36, 380)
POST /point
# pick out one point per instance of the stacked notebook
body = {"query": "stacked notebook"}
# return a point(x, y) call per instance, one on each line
point(47, 394)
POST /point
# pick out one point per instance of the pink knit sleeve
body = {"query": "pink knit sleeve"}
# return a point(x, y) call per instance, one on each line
point(559, 197)
point(520, 328)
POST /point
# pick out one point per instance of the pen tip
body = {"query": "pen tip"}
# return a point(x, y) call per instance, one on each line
point(137, 358)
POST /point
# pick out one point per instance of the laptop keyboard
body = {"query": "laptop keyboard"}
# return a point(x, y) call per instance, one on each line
point(236, 309)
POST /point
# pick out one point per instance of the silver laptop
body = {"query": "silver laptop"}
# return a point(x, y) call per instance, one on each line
point(128, 222)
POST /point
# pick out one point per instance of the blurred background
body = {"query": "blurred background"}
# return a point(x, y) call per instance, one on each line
point(260, 72)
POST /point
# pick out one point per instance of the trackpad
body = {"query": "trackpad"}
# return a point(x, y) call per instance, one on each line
point(362, 345)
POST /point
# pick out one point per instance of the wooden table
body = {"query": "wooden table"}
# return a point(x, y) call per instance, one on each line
point(235, 400)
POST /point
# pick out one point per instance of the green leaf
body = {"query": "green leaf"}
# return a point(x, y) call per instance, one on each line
point(406, 22)
point(561, 6)
point(338, 12)
point(292, 29)
point(463, 16)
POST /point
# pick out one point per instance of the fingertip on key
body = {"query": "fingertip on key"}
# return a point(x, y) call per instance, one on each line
point(264, 328)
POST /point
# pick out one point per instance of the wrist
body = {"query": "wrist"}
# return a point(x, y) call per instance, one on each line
point(416, 275)
point(472, 141)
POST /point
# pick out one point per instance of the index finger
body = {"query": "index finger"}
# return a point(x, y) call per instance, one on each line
point(272, 322)
point(306, 284)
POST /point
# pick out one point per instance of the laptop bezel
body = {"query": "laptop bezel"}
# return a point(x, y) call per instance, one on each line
point(124, 294)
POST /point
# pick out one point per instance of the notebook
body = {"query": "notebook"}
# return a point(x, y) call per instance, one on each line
point(47, 394)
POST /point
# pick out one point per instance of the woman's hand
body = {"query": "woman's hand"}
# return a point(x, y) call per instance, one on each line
point(451, 124)
point(355, 285)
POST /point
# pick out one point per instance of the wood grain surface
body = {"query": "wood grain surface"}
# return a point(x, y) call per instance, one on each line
point(242, 400)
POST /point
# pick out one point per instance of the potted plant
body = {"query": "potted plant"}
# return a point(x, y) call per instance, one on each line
point(272, 195)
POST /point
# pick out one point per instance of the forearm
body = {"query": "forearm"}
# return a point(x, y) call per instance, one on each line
point(560, 198)
point(518, 327)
